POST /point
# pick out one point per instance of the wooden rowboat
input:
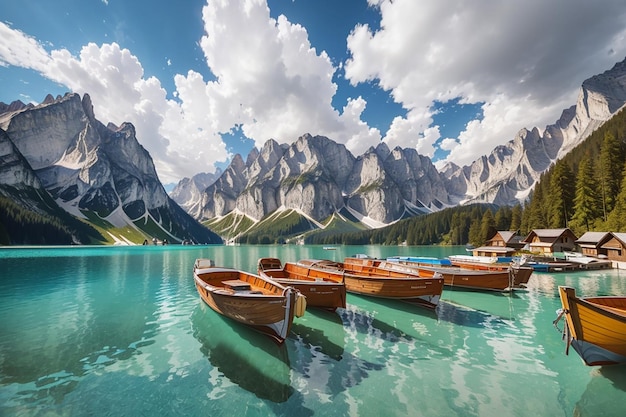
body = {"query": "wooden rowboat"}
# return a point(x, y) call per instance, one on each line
point(595, 327)
point(249, 299)
point(320, 292)
point(487, 280)
point(405, 287)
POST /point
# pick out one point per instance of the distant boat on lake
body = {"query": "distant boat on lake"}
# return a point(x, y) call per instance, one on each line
point(506, 279)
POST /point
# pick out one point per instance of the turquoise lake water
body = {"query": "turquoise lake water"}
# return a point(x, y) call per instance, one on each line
point(121, 331)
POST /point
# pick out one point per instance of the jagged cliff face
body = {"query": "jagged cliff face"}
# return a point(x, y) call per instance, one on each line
point(59, 146)
point(81, 161)
point(302, 176)
point(15, 170)
point(506, 176)
point(188, 192)
point(318, 177)
point(86, 166)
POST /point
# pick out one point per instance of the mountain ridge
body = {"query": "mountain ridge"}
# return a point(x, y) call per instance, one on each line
point(103, 174)
point(100, 174)
point(386, 185)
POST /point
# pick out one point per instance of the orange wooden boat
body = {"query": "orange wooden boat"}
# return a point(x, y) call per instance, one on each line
point(405, 287)
point(482, 263)
point(487, 280)
point(320, 292)
point(249, 299)
point(595, 327)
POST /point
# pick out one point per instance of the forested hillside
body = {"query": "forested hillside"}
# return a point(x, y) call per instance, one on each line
point(586, 190)
point(19, 226)
point(454, 226)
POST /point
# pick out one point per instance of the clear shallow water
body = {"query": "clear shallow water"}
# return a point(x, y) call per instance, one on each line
point(121, 331)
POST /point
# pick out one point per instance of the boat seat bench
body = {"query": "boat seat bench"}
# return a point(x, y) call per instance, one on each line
point(236, 285)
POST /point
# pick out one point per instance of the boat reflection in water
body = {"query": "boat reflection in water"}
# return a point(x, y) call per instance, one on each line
point(323, 332)
point(247, 358)
point(599, 398)
point(497, 304)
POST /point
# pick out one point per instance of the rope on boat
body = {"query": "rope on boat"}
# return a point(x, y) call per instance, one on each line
point(565, 333)
point(560, 313)
point(286, 293)
point(299, 305)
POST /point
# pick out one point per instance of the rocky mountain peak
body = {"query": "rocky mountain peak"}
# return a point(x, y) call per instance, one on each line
point(88, 108)
point(382, 150)
point(609, 88)
point(252, 156)
point(511, 170)
point(87, 167)
point(317, 176)
point(48, 99)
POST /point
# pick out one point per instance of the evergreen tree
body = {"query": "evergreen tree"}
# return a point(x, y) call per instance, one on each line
point(610, 170)
point(536, 216)
point(455, 229)
point(474, 234)
point(561, 195)
point(524, 223)
point(516, 218)
point(616, 221)
point(487, 226)
point(503, 218)
point(586, 208)
point(464, 228)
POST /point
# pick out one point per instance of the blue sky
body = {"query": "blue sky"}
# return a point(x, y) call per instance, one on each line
point(202, 80)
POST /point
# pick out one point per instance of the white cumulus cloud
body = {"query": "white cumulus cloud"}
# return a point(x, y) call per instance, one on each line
point(269, 81)
point(523, 60)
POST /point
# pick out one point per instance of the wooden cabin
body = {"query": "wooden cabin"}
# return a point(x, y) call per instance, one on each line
point(615, 247)
point(507, 238)
point(590, 243)
point(502, 244)
point(548, 241)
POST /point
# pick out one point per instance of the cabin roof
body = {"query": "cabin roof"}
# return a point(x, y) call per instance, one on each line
point(593, 237)
point(506, 235)
point(621, 237)
point(546, 235)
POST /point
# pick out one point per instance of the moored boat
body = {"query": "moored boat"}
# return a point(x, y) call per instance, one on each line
point(404, 287)
point(587, 262)
point(483, 263)
point(595, 326)
point(248, 298)
point(321, 292)
point(422, 260)
point(503, 280)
